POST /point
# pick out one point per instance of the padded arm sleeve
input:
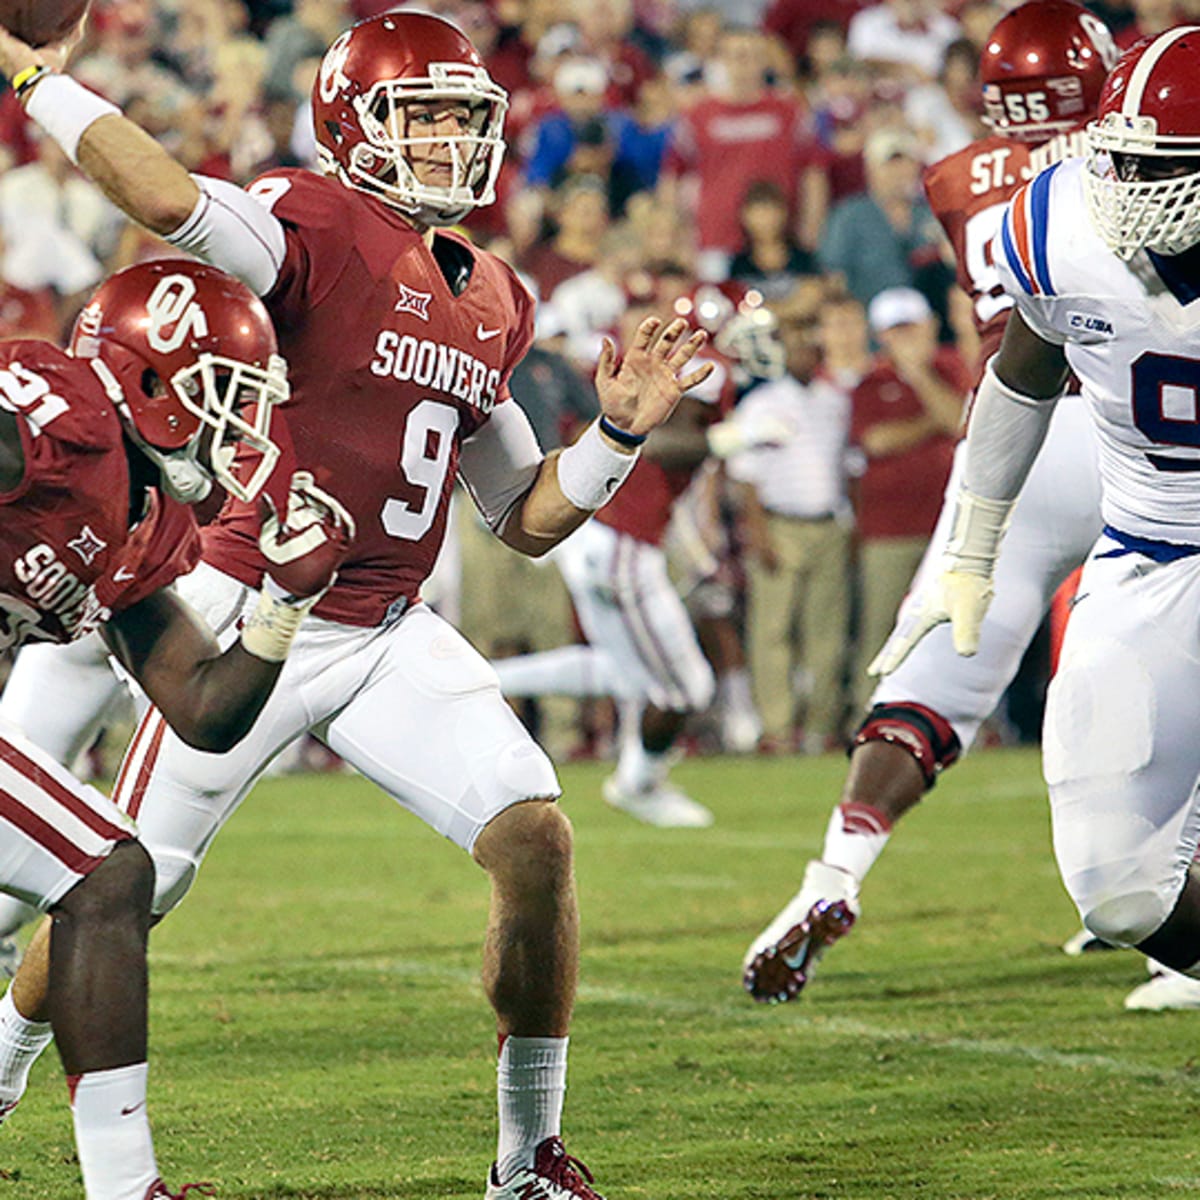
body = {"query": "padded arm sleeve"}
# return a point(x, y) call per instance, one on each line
point(499, 462)
point(1005, 434)
point(233, 231)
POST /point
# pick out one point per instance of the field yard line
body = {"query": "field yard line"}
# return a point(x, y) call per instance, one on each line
point(743, 1012)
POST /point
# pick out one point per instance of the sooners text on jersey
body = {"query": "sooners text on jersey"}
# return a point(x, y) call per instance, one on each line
point(390, 372)
point(68, 559)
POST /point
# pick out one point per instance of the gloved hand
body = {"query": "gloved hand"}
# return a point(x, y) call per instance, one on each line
point(962, 590)
point(748, 432)
point(305, 548)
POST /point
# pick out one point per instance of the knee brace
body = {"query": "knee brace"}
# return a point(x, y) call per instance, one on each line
point(925, 734)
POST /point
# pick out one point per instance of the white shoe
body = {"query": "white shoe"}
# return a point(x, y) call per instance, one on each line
point(781, 959)
point(1084, 941)
point(664, 806)
point(555, 1175)
point(1163, 991)
point(740, 731)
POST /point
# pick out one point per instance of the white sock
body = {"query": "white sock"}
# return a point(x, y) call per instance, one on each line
point(567, 671)
point(531, 1084)
point(112, 1133)
point(855, 838)
point(638, 770)
point(21, 1042)
point(734, 689)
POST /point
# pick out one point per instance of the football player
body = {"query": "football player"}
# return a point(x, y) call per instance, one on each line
point(400, 338)
point(642, 648)
point(1042, 70)
point(1102, 258)
point(173, 366)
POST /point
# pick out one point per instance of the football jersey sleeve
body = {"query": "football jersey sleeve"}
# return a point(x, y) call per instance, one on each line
point(1032, 249)
point(311, 209)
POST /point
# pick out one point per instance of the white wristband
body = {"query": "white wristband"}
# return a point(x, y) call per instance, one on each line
point(65, 109)
point(590, 470)
point(270, 628)
point(978, 529)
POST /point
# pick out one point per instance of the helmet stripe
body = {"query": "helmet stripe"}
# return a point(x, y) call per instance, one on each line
point(1139, 77)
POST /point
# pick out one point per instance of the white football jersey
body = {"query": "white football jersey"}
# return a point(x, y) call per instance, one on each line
point(1133, 345)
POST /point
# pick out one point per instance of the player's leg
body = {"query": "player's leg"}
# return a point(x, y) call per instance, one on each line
point(431, 728)
point(932, 706)
point(179, 797)
point(1121, 758)
point(68, 850)
point(633, 612)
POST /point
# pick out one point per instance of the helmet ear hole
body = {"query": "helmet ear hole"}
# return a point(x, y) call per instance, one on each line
point(151, 383)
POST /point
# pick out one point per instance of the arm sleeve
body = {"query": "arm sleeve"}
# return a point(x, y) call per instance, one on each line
point(233, 231)
point(499, 462)
point(1006, 432)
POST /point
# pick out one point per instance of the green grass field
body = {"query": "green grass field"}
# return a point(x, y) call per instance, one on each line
point(318, 1031)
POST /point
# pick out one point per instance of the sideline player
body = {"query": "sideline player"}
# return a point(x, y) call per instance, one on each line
point(642, 647)
point(101, 453)
point(1102, 258)
point(400, 339)
point(1042, 69)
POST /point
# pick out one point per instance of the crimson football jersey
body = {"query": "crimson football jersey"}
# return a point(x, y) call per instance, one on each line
point(642, 504)
point(390, 371)
point(968, 191)
point(68, 558)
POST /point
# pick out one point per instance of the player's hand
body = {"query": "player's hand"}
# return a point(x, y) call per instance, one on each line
point(956, 596)
point(305, 548)
point(16, 55)
point(639, 392)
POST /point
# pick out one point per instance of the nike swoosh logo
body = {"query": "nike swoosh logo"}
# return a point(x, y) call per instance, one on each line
point(130, 1109)
point(121, 574)
point(485, 335)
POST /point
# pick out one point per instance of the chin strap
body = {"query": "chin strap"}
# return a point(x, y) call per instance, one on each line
point(183, 478)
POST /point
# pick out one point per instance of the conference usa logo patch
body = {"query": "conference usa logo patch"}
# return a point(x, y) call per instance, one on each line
point(1097, 326)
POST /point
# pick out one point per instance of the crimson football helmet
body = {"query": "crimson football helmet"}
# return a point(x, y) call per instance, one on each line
point(1042, 69)
point(384, 88)
point(182, 347)
point(1143, 179)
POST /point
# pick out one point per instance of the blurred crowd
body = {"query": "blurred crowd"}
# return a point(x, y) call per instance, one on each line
point(754, 165)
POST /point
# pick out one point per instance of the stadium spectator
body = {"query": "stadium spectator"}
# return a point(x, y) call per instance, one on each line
point(883, 237)
point(797, 525)
point(948, 113)
point(579, 85)
point(770, 259)
point(740, 132)
point(579, 212)
point(906, 39)
point(905, 415)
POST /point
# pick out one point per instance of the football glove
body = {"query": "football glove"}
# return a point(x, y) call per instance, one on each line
point(962, 590)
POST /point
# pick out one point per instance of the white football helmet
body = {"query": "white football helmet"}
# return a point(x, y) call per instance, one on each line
point(1143, 181)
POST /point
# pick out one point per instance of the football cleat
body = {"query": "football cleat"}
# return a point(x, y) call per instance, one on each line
point(1164, 991)
point(158, 1191)
point(1085, 942)
point(664, 806)
point(8, 1107)
point(555, 1175)
point(781, 959)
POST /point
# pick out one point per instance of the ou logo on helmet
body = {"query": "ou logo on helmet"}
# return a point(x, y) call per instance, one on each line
point(333, 78)
point(175, 314)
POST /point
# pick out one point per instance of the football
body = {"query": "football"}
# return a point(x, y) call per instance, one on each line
point(40, 21)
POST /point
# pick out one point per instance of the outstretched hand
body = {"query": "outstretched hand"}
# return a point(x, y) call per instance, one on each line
point(639, 392)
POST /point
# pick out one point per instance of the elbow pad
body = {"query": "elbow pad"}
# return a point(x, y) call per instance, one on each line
point(232, 230)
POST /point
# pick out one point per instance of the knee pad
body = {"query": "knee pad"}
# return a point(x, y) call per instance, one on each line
point(925, 734)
